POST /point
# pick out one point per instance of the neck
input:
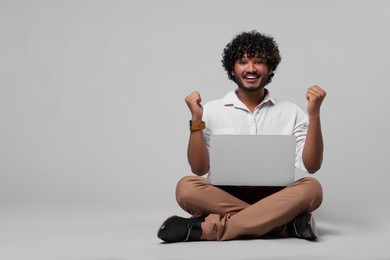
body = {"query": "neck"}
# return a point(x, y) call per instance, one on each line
point(251, 99)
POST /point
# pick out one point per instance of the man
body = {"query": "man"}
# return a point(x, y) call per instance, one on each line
point(230, 212)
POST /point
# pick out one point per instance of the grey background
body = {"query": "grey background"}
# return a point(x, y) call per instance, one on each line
point(92, 96)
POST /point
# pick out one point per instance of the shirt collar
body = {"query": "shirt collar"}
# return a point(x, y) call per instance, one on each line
point(231, 99)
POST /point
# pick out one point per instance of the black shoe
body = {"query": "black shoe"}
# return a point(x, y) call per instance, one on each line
point(303, 226)
point(178, 229)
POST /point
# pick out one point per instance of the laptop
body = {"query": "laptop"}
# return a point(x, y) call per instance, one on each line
point(252, 160)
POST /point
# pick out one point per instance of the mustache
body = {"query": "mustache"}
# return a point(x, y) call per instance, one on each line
point(253, 74)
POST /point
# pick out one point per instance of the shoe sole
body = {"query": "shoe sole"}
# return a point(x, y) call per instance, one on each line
point(313, 226)
point(309, 218)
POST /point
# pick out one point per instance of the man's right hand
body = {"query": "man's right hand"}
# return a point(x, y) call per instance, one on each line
point(197, 153)
point(193, 101)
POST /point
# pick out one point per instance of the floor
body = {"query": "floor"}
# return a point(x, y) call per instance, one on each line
point(43, 232)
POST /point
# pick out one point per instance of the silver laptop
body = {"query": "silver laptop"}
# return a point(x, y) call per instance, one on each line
point(252, 160)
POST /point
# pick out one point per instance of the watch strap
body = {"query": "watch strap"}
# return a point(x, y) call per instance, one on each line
point(197, 127)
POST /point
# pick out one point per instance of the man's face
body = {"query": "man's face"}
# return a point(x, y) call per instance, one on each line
point(251, 74)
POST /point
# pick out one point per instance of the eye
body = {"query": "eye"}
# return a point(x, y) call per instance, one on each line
point(242, 62)
point(259, 62)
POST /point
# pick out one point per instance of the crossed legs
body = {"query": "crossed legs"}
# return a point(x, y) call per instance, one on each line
point(242, 214)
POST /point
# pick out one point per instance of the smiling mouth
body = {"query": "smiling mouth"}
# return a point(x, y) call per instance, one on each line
point(251, 76)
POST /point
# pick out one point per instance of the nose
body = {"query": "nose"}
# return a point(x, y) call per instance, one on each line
point(251, 67)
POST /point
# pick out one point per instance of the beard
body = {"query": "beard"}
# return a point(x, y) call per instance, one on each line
point(251, 87)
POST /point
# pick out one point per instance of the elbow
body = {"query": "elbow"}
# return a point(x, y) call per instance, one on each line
point(313, 168)
point(312, 165)
point(200, 171)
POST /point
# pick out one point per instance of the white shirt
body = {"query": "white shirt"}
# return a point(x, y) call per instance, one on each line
point(271, 117)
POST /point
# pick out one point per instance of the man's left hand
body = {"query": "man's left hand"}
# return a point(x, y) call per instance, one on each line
point(315, 95)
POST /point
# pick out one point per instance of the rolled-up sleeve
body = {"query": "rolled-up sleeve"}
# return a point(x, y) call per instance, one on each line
point(207, 130)
point(300, 131)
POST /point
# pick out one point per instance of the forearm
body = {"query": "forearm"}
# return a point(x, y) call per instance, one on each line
point(313, 150)
point(197, 153)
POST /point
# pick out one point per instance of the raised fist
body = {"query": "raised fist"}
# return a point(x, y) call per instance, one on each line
point(193, 101)
point(315, 95)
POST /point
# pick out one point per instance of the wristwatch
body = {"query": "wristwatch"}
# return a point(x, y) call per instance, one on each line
point(197, 127)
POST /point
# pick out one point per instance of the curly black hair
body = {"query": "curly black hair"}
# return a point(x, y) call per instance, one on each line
point(252, 44)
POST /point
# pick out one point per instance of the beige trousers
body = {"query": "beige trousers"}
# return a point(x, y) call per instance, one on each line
point(250, 212)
